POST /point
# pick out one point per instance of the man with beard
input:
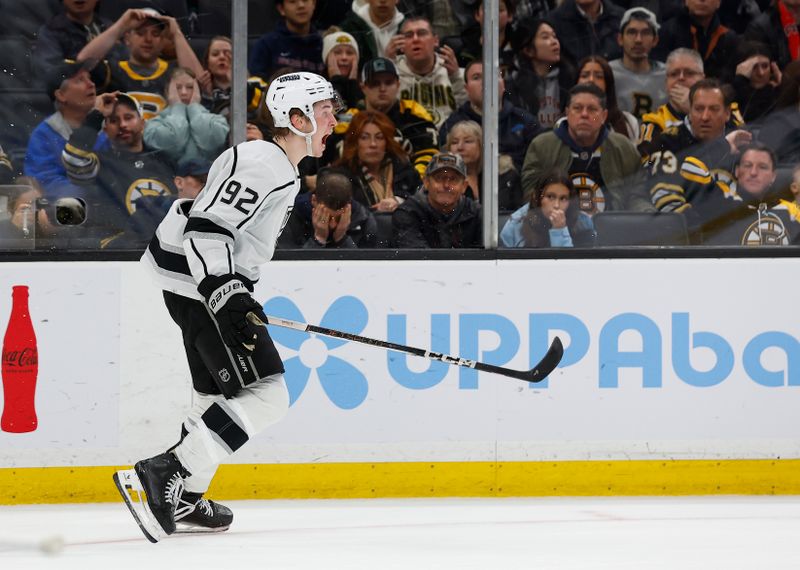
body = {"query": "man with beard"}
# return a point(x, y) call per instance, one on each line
point(121, 174)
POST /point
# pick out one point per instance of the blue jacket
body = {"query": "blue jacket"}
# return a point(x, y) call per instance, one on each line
point(511, 234)
point(282, 48)
point(43, 159)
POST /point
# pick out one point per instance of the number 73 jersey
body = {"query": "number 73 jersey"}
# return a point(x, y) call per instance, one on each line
point(233, 224)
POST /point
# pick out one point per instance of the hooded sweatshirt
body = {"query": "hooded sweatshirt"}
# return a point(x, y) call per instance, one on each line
point(283, 48)
point(437, 91)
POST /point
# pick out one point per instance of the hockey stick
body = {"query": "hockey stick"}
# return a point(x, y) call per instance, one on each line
point(536, 374)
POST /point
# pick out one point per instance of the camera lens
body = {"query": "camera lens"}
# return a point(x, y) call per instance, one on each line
point(70, 211)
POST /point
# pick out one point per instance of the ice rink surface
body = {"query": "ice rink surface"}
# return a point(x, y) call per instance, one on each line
point(564, 533)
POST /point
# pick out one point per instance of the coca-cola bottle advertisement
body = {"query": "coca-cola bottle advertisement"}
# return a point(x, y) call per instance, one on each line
point(20, 367)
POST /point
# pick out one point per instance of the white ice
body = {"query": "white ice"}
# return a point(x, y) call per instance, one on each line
point(564, 533)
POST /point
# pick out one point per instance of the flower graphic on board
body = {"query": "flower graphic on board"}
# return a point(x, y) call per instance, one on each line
point(343, 383)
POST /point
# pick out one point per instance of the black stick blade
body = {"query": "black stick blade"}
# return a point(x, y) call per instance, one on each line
point(547, 364)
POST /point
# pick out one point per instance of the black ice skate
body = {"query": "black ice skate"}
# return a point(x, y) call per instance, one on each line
point(160, 478)
point(196, 514)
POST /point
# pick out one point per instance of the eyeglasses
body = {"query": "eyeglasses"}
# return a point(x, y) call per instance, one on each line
point(687, 73)
point(421, 33)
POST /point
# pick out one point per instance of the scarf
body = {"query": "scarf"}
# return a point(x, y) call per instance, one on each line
point(381, 188)
point(790, 29)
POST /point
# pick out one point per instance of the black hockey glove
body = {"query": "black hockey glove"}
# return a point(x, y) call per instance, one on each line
point(230, 302)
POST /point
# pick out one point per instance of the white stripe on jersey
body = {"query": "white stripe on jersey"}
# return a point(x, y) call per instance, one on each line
point(233, 224)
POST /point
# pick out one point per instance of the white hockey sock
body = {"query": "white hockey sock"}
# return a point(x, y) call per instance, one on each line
point(199, 482)
point(226, 425)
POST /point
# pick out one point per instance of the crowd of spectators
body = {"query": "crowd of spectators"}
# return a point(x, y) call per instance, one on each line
point(680, 106)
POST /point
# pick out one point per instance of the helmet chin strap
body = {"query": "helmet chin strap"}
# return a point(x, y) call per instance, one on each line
point(306, 136)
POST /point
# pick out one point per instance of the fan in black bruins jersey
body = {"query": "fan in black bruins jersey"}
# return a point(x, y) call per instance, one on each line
point(689, 160)
point(206, 256)
point(758, 210)
point(120, 174)
point(684, 69)
point(144, 74)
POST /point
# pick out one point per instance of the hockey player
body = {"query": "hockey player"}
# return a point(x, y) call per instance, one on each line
point(206, 256)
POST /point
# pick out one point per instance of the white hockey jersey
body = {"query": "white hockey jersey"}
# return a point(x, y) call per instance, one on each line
point(232, 225)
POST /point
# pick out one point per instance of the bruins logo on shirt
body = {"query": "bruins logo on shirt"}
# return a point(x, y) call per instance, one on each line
point(590, 195)
point(144, 187)
point(767, 230)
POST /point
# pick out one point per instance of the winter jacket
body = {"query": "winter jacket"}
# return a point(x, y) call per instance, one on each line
point(767, 29)
point(581, 234)
point(299, 230)
point(371, 40)
point(187, 132)
point(579, 37)
point(43, 157)
point(115, 178)
point(415, 224)
point(620, 167)
point(717, 45)
point(282, 48)
point(437, 91)
point(516, 128)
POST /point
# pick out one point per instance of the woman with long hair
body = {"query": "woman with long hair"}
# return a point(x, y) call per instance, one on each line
point(542, 78)
point(382, 175)
point(595, 69)
point(465, 138)
point(552, 217)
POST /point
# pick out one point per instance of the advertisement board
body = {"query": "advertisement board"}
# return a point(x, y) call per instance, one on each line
point(678, 359)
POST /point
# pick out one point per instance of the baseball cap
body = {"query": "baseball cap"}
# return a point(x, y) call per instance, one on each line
point(130, 101)
point(193, 167)
point(375, 66)
point(446, 160)
point(641, 14)
point(69, 68)
point(154, 17)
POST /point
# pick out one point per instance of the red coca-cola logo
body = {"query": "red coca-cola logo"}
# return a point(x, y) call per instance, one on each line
point(25, 357)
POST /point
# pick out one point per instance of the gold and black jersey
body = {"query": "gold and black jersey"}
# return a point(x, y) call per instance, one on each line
point(146, 85)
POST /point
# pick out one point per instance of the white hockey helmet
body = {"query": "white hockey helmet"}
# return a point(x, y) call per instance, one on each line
point(298, 90)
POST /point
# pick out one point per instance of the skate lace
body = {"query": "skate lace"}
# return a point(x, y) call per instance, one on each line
point(205, 506)
point(174, 490)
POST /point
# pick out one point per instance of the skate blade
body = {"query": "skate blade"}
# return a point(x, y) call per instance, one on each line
point(185, 528)
point(130, 488)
